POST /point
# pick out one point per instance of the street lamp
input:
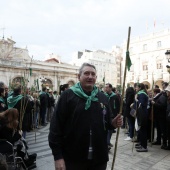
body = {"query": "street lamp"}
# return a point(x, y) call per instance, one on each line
point(167, 53)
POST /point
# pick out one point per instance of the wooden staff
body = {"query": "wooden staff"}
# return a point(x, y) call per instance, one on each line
point(121, 105)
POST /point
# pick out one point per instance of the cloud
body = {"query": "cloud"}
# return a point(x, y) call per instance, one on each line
point(62, 27)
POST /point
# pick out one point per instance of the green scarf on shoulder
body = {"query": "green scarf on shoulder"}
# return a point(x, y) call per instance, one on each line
point(142, 92)
point(109, 96)
point(77, 89)
point(42, 92)
point(12, 101)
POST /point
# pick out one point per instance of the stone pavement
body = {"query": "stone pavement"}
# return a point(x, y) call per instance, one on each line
point(154, 159)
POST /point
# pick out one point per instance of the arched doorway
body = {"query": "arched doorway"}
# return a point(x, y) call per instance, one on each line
point(147, 83)
point(159, 83)
point(131, 84)
point(47, 82)
point(71, 83)
point(17, 80)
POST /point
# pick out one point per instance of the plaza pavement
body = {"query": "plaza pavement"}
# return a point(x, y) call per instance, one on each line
point(154, 159)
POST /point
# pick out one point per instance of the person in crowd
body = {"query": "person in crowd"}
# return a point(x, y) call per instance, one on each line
point(24, 107)
point(43, 105)
point(56, 96)
point(36, 110)
point(63, 88)
point(8, 131)
point(151, 123)
point(159, 106)
point(3, 104)
point(51, 109)
point(31, 101)
point(168, 118)
point(130, 94)
point(141, 103)
point(114, 104)
point(78, 129)
point(156, 87)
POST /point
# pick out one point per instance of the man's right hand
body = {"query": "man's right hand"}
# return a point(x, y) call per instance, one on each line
point(60, 164)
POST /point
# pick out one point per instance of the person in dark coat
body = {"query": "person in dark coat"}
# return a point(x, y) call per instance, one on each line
point(130, 94)
point(114, 105)
point(159, 106)
point(23, 105)
point(168, 118)
point(78, 129)
point(43, 105)
point(141, 103)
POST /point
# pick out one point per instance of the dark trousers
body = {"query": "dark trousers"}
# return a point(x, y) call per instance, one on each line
point(131, 123)
point(109, 135)
point(143, 132)
point(42, 115)
point(88, 165)
point(161, 130)
point(149, 129)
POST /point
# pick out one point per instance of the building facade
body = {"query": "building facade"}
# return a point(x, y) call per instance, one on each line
point(16, 64)
point(147, 53)
point(104, 62)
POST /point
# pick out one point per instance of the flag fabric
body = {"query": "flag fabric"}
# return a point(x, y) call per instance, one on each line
point(104, 78)
point(128, 60)
point(30, 71)
point(37, 85)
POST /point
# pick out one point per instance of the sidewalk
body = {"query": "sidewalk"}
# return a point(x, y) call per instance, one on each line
point(154, 159)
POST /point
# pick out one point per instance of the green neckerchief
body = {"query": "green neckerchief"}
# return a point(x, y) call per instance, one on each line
point(42, 92)
point(109, 96)
point(142, 91)
point(77, 89)
point(12, 101)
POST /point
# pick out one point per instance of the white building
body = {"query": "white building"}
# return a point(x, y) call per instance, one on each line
point(104, 62)
point(147, 53)
point(15, 63)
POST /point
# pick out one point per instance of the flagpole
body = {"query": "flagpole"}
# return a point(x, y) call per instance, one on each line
point(121, 105)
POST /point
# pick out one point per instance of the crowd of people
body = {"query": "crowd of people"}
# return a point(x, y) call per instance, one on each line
point(83, 117)
point(22, 111)
point(148, 113)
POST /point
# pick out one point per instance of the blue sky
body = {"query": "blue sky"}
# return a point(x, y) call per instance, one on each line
point(65, 26)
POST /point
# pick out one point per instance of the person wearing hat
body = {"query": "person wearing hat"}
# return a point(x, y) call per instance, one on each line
point(168, 118)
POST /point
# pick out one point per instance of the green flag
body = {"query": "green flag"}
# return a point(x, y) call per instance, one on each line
point(104, 78)
point(30, 71)
point(128, 60)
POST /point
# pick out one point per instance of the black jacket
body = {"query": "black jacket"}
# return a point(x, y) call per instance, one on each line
point(70, 127)
point(114, 103)
point(43, 101)
point(7, 133)
point(129, 100)
point(160, 106)
point(27, 107)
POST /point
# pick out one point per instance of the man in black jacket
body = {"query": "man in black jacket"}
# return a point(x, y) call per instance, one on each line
point(78, 130)
point(114, 104)
point(43, 105)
